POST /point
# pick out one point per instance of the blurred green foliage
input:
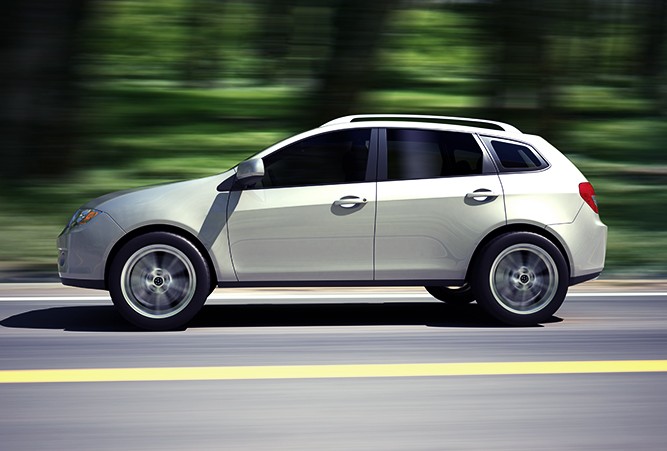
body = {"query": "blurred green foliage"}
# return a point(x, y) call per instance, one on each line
point(186, 88)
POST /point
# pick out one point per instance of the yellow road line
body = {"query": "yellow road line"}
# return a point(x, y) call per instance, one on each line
point(329, 371)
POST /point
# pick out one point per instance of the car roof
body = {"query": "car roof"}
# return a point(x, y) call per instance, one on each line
point(392, 119)
point(450, 123)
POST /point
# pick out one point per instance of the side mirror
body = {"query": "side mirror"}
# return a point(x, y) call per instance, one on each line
point(250, 172)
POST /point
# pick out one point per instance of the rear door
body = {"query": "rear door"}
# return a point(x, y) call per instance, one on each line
point(438, 195)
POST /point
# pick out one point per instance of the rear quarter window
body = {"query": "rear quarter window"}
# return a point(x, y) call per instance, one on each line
point(514, 156)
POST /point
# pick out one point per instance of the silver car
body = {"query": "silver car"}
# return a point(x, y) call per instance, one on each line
point(474, 210)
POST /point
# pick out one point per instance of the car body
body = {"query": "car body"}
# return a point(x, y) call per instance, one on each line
point(471, 209)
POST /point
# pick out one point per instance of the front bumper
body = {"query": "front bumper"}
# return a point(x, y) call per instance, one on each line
point(83, 251)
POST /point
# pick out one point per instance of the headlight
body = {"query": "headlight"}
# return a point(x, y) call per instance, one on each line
point(82, 216)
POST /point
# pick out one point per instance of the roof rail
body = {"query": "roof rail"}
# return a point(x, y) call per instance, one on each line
point(422, 118)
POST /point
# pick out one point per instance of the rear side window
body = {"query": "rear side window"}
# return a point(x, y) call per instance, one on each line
point(515, 156)
point(420, 154)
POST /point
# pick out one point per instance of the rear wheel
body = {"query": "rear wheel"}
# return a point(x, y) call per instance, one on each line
point(520, 278)
point(159, 281)
point(452, 295)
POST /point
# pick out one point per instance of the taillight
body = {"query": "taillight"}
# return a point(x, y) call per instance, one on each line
point(588, 194)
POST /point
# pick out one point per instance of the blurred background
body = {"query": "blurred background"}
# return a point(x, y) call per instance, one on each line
point(97, 96)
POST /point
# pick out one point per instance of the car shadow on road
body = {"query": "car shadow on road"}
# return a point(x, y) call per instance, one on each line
point(89, 318)
point(431, 314)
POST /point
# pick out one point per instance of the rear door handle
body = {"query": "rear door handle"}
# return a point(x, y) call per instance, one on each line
point(349, 201)
point(481, 194)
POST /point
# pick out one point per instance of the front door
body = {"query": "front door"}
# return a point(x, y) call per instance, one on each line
point(312, 216)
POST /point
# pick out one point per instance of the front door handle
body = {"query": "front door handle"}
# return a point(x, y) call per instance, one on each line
point(349, 201)
point(481, 195)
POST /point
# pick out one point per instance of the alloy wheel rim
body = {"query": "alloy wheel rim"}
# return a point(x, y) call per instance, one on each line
point(524, 279)
point(158, 281)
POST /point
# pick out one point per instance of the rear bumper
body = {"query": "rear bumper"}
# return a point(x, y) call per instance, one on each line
point(585, 240)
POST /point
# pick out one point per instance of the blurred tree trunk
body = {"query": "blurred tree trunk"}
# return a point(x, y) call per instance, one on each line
point(274, 37)
point(502, 33)
point(652, 56)
point(38, 87)
point(522, 75)
point(618, 16)
point(357, 28)
point(202, 64)
point(578, 33)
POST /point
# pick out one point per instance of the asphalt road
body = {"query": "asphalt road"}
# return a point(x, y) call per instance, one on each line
point(345, 331)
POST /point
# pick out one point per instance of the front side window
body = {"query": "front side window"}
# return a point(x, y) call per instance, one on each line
point(419, 154)
point(325, 159)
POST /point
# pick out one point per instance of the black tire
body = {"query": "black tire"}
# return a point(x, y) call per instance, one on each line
point(462, 295)
point(159, 281)
point(520, 278)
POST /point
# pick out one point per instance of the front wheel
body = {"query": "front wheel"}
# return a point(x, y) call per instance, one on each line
point(520, 278)
point(159, 281)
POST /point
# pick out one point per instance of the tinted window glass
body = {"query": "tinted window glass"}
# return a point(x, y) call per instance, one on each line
point(515, 156)
point(329, 158)
point(418, 154)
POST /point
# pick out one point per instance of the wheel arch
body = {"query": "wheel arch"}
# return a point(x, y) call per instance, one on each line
point(509, 228)
point(160, 228)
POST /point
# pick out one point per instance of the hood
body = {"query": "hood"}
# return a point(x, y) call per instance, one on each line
point(165, 203)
